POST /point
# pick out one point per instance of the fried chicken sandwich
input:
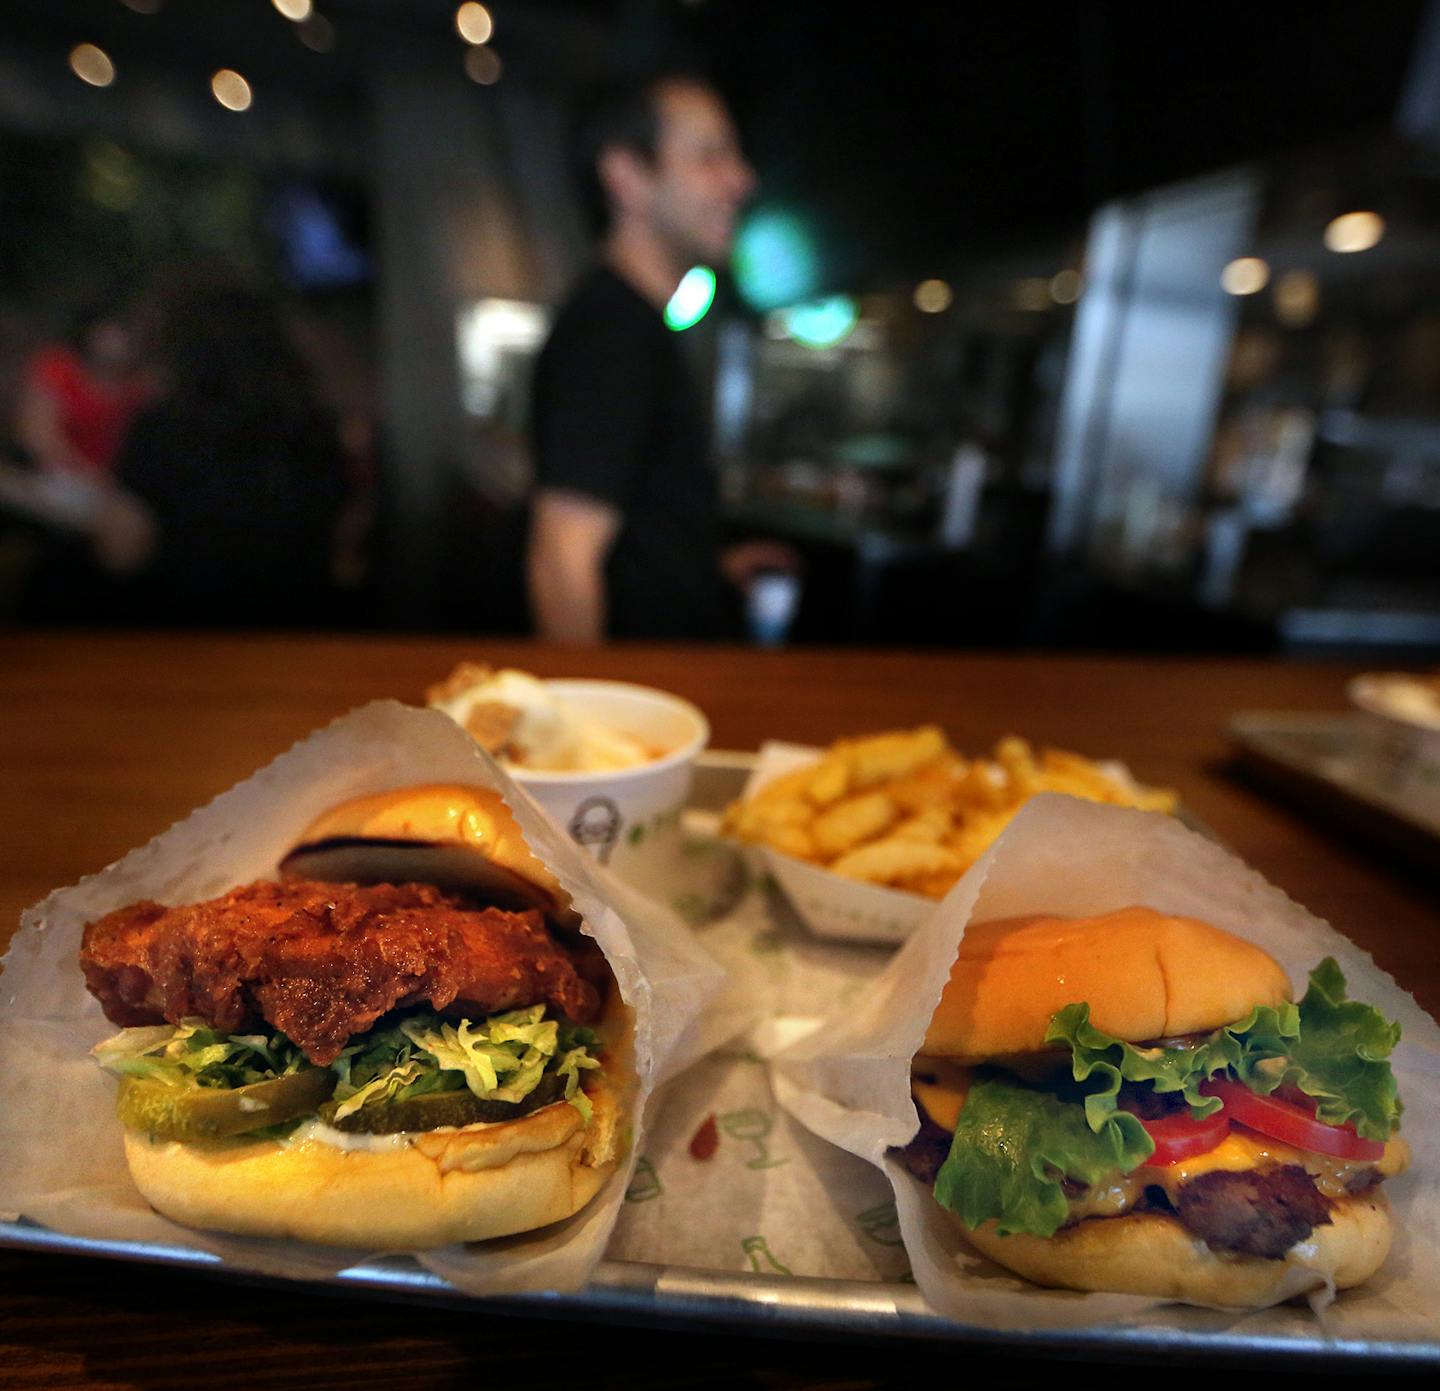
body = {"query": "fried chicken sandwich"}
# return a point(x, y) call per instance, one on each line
point(1133, 1102)
point(403, 1041)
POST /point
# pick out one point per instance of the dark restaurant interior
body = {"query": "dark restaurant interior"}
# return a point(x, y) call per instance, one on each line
point(1031, 377)
point(1040, 330)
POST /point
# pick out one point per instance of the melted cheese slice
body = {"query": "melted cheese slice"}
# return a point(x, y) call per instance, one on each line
point(940, 1086)
point(1248, 1149)
point(1243, 1149)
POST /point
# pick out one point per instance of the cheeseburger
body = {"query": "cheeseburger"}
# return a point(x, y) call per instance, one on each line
point(403, 1041)
point(1133, 1102)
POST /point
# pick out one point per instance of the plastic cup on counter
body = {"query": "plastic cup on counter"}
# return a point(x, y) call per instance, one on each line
point(771, 602)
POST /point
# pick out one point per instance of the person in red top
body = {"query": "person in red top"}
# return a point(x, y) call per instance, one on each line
point(77, 402)
point(79, 397)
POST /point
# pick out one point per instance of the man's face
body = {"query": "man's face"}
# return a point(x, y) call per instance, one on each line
point(700, 180)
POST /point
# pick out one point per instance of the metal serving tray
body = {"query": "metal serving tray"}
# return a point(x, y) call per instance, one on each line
point(631, 1292)
point(1310, 760)
point(797, 1306)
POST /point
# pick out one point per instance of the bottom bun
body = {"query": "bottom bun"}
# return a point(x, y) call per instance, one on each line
point(469, 1184)
point(1150, 1253)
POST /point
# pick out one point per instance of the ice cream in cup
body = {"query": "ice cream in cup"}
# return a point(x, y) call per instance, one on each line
point(609, 762)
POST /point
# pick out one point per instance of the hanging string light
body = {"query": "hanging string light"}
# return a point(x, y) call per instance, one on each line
point(1246, 275)
point(933, 296)
point(90, 63)
point(231, 90)
point(474, 23)
point(1357, 231)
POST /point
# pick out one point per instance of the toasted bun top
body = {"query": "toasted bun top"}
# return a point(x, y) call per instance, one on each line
point(448, 834)
point(1144, 974)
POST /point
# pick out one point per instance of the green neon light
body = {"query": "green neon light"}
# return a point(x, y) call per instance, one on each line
point(775, 260)
point(823, 322)
point(692, 298)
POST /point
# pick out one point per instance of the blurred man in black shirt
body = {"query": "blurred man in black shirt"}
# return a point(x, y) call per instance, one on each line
point(625, 539)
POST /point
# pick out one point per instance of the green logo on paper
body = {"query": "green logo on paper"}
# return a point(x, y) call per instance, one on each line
point(762, 1259)
point(693, 907)
point(754, 1128)
point(645, 1184)
point(881, 1224)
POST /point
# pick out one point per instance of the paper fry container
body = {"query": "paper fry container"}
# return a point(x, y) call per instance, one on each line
point(843, 909)
point(829, 904)
point(849, 1080)
point(61, 1161)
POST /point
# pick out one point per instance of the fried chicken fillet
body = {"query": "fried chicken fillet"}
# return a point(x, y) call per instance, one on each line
point(321, 962)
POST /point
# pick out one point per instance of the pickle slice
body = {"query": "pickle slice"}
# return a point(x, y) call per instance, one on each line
point(432, 1110)
point(212, 1113)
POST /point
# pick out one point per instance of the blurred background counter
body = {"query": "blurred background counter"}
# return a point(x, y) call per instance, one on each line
point(1043, 330)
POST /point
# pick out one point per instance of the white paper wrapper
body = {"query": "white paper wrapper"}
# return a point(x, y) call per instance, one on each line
point(772, 1198)
point(849, 1080)
point(61, 1161)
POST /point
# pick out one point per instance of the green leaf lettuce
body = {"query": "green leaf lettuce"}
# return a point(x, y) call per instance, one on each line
point(1339, 1056)
point(1333, 1049)
point(1014, 1144)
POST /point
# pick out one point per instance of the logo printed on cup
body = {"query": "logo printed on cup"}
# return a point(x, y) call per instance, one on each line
point(596, 825)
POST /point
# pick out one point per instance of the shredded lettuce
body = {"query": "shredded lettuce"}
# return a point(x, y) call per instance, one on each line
point(503, 1058)
point(499, 1058)
point(578, 1099)
point(513, 1047)
point(192, 1054)
point(382, 1088)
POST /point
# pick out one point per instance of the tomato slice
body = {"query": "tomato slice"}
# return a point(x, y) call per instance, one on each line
point(1180, 1136)
point(1292, 1123)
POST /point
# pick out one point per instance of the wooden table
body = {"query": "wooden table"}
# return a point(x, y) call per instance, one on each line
point(107, 740)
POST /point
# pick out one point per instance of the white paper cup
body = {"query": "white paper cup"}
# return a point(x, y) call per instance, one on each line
point(629, 819)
